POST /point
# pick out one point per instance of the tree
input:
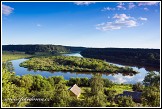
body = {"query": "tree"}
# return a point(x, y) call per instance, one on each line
point(110, 95)
point(151, 56)
point(74, 102)
point(40, 83)
point(151, 92)
point(30, 52)
point(152, 79)
point(95, 101)
point(151, 97)
point(56, 80)
point(98, 97)
point(11, 93)
point(9, 66)
point(108, 83)
point(96, 84)
point(124, 101)
point(72, 81)
point(84, 82)
point(61, 97)
point(138, 87)
point(41, 98)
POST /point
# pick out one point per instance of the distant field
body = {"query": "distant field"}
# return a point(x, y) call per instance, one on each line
point(7, 55)
point(119, 88)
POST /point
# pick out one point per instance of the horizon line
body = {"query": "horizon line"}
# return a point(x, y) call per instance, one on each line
point(84, 46)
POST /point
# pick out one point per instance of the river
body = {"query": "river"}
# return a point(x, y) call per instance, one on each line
point(117, 78)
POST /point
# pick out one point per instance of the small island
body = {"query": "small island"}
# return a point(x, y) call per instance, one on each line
point(73, 64)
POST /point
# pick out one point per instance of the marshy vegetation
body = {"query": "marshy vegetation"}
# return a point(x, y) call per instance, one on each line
point(71, 63)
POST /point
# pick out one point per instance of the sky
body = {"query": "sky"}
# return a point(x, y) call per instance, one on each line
point(87, 24)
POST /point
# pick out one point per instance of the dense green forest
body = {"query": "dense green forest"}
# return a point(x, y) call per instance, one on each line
point(31, 49)
point(137, 57)
point(72, 63)
point(35, 48)
point(38, 91)
point(75, 49)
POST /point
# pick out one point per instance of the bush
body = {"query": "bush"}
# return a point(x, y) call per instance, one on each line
point(124, 101)
point(138, 87)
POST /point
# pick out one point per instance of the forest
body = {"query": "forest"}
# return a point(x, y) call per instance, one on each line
point(137, 57)
point(35, 48)
point(72, 63)
point(17, 91)
point(32, 49)
point(74, 49)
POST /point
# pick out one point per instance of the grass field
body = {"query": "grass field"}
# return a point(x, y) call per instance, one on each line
point(118, 87)
point(7, 55)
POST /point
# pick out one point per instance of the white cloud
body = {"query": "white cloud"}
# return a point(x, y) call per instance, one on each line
point(131, 5)
point(108, 26)
point(121, 21)
point(121, 6)
point(83, 3)
point(146, 9)
point(121, 17)
point(142, 18)
point(7, 10)
point(108, 9)
point(147, 3)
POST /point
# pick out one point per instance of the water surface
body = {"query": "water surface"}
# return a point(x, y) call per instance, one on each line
point(118, 78)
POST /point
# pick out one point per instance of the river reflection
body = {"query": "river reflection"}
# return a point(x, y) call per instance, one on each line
point(115, 77)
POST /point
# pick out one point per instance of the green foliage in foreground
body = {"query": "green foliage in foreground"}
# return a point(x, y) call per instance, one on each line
point(138, 87)
point(124, 101)
point(38, 91)
point(71, 63)
point(151, 93)
point(151, 97)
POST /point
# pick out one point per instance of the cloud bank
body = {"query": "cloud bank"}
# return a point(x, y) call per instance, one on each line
point(120, 21)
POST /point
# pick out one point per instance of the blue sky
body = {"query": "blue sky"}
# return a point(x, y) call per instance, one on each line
point(88, 24)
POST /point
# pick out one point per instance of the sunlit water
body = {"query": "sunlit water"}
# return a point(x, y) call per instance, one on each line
point(118, 78)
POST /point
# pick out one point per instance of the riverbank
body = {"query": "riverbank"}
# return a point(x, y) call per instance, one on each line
point(8, 55)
